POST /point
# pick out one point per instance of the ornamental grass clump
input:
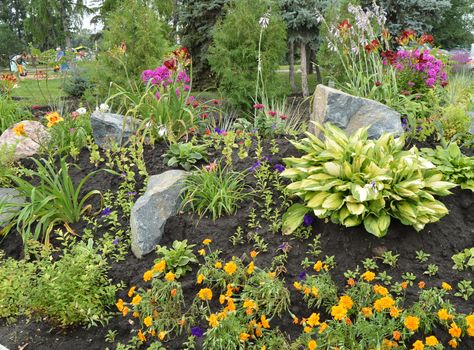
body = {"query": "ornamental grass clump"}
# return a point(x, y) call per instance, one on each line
point(353, 180)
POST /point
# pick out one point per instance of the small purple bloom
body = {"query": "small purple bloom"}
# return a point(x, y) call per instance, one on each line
point(197, 332)
point(106, 212)
point(308, 220)
point(116, 241)
point(302, 276)
point(256, 165)
point(285, 247)
point(219, 131)
point(131, 193)
point(279, 167)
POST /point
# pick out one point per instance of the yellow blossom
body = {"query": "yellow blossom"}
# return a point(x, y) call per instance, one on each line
point(136, 314)
point(222, 299)
point(136, 299)
point(250, 268)
point(207, 241)
point(314, 292)
point(383, 303)
point(53, 119)
point(470, 331)
point(431, 341)
point(170, 276)
point(378, 289)
point(213, 321)
point(394, 312)
point(230, 305)
point(312, 344)
point(125, 311)
point(230, 267)
point(131, 291)
point(346, 302)
point(244, 336)
point(307, 329)
point(338, 312)
point(443, 315)
point(148, 321)
point(148, 275)
point(162, 335)
point(453, 343)
point(455, 331)
point(159, 266)
point(412, 323)
point(200, 278)
point(313, 320)
point(218, 265)
point(141, 336)
point(470, 320)
point(318, 266)
point(367, 311)
point(205, 294)
point(446, 286)
point(265, 322)
point(323, 327)
point(120, 305)
point(297, 286)
point(418, 345)
point(253, 254)
point(368, 276)
point(19, 130)
point(202, 252)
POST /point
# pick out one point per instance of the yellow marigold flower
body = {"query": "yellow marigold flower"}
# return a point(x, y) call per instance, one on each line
point(148, 321)
point(200, 278)
point(141, 336)
point(230, 305)
point(244, 337)
point(272, 274)
point(396, 335)
point(297, 285)
point(125, 311)
point(202, 252)
point(230, 267)
point(418, 345)
point(421, 284)
point(351, 282)
point(455, 331)
point(162, 335)
point(394, 312)
point(253, 254)
point(213, 321)
point(250, 304)
point(446, 286)
point(136, 299)
point(318, 266)
point(258, 330)
point(136, 314)
point(312, 344)
point(19, 130)
point(228, 292)
point(453, 343)
point(431, 341)
point(205, 294)
point(222, 298)
point(152, 333)
point(250, 268)
point(368, 276)
point(470, 320)
point(412, 323)
point(306, 290)
point(338, 312)
point(159, 266)
point(313, 320)
point(148, 275)
point(314, 292)
point(170, 276)
point(207, 241)
point(265, 322)
point(307, 329)
point(173, 292)
point(381, 290)
point(470, 331)
point(383, 303)
point(218, 265)
point(322, 327)
point(346, 302)
point(119, 305)
point(131, 291)
point(367, 311)
point(53, 119)
point(264, 347)
point(443, 315)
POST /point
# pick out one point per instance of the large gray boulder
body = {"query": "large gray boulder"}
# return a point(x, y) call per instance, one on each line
point(150, 212)
point(351, 113)
point(27, 144)
point(110, 128)
point(9, 195)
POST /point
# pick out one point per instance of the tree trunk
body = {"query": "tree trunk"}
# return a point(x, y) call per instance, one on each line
point(319, 79)
point(304, 72)
point(292, 65)
point(310, 60)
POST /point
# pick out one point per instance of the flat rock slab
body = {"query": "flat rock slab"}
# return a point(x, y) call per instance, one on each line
point(2, 347)
point(150, 212)
point(110, 128)
point(9, 195)
point(351, 113)
point(27, 145)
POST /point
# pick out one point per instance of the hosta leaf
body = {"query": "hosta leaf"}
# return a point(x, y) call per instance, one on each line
point(293, 218)
point(378, 226)
point(333, 201)
point(317, 200)
point(355, 208)
point(333, 169)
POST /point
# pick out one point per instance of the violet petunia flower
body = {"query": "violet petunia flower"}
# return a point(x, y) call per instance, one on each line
point(197, 332)
point(308, 220)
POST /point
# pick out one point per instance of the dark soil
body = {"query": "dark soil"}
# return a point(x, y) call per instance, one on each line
point(452, 234)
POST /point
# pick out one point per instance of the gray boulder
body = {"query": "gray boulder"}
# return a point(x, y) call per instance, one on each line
point(351, 113)
point(471, 114)
point(9, 195)
point(150, 212)
point(26, 145)
point(110, 128)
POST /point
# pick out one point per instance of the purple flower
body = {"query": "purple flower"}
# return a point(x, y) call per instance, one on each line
point(116, 241)
point(106, 212)
point(197, 332)
point(302, 276)
point(219, 131)
point(308, 220)
point(285, 247)
point(280, 168)
point(157, 95)
point(131, 193)
point(256, 165)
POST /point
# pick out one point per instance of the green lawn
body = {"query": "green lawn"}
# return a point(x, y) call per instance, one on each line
point(39, 92)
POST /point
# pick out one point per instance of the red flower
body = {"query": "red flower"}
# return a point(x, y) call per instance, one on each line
point(272, 113)
point(344, 26)
point(204, 115)
point(170, 64)
point(406, 37)
point(386, 34)
point(378, 83)
point(444, 83)
point(207, 132)
point(216, 102)
point(389, 55)
point(258, 106)
point(426, 39)
point(195, 104)
point(283, 117)
point(372, 46)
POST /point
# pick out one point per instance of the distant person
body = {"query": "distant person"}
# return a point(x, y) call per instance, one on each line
point(18, 64)
point(61, 59)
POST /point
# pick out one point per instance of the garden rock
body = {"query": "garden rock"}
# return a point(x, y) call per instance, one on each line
point(9, 195)
point(471, 114)
point(351, 113)
point(110, 128)
point(150, 212)
point(27, 145)
point(2, 347)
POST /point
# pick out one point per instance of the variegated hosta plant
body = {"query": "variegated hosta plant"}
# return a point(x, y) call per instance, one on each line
point(353, 180)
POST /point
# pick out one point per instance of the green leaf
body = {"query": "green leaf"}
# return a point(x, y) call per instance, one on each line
point(377, 226)
point(293, 218)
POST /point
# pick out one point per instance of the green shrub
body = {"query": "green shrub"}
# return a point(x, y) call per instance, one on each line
point(178, 258)
point(456, 167)
point(354, 180)
point(215, 191)
point(454, 121)
point(10, 113)
point(233, 55)
point(74, 290)
point(70, 136)
point(76, 85)
point(185, 154)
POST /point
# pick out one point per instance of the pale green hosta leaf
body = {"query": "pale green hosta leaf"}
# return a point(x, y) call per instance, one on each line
point(293, 218)
point(317, 200)
point(378, 226)
point(333, 201)
point(333, 168)
point(355, 208)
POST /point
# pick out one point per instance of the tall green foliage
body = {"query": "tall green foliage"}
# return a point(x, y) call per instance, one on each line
point(234, 53)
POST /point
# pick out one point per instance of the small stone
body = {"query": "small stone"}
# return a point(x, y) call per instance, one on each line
point(110, 128)
point(351, 113)
point(9, 195)
point(27, 145)
point(151, 211)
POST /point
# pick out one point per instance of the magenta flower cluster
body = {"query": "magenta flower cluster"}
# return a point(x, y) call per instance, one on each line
point(163, 77)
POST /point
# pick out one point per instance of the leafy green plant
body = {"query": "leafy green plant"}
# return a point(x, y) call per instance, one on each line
point(421, 256)
point(178, 257)
point(465, 289)
point(10, 112)
point(185, 155)
point(215, 191)
point(353, 180)
point(55, 200)
point(464, 259)
point(457, 167)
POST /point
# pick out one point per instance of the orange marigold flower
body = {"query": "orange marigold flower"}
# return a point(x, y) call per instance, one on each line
point(230, 267)
point(173, 292)
point(312, 344)
point(213, 321)
point(418, 345)
point(141, 336)
point(394, 312)
point(368, 276)
point(383, 303)
point(455, 331)
point(200, 278)
point(230, 305)
point(205, 294)
point(338, 312)
point(431, 341)
point(136, 299)
point(470, 320)
point(443, 315)
point(119, 305)
point(222, 298)
point(411, 323)
point(253, 254)
point(159, 266)
point(250, 268)
point(162, 335)
point(453, 343)
point(421, 284)
point(470, 331)
point(446, 286)
point(323, 327)
point(367, 311)
point(148, 321)
point(125, 311)
point(396, 335)
point(244, 337)
point(318, 266)
point(351, 282)
point(404, 285)
point(306, 291)
point(313, 320)
point(131, 291)
point(207, 241)
point(148, 275)
point(265, 322)
point(170, 276)
point(346, 302)
point(378, 289)
point(295, 320)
